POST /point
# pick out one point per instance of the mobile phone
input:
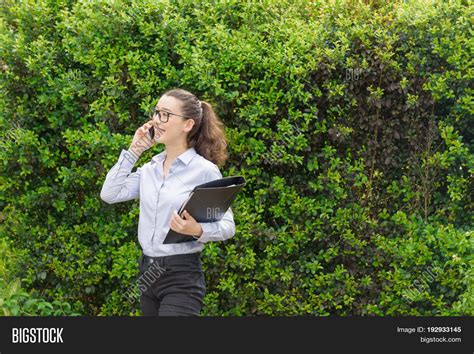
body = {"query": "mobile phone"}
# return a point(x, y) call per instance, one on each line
point(151, 132)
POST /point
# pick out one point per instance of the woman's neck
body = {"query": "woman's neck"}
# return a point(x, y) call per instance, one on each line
point(173, 151)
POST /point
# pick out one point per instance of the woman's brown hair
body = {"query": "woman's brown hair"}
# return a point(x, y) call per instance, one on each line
point(207, 135)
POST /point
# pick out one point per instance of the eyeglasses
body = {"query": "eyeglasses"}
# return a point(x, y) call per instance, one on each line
point(164, 116)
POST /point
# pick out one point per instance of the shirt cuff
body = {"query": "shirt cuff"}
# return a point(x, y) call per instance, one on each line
point(128, 157)
point(208, 229)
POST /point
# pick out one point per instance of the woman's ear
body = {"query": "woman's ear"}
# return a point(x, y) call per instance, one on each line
point(188, 126)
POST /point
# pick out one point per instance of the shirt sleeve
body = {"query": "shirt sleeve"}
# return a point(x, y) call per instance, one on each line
point(220, 230)
point(120, 184)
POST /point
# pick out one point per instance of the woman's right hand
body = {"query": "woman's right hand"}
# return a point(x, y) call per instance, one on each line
point(142, 140)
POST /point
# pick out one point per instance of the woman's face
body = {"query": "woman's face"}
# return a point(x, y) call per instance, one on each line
point(176, 129)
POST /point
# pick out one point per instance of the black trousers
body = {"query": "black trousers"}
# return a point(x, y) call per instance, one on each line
point(171, 285)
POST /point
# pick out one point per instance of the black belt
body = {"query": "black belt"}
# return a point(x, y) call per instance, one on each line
point(164, 260)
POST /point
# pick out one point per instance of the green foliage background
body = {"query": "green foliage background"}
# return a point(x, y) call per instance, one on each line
point(350, 120)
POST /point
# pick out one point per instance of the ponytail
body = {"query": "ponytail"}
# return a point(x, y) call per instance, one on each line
point(209, 139)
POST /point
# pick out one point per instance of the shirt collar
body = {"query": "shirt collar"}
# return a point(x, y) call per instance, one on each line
point(185, 157)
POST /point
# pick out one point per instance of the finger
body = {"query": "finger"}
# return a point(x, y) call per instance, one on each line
point(187, 215)
point(143, 130)
point(173, 225)
point(145, 126)
point(178, 219)
point(175, 217)
point(177, 227)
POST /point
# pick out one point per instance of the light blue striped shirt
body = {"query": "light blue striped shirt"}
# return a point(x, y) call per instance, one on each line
point(160, 196)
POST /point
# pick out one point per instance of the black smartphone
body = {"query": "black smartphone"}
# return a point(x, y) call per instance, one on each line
point(151, 132)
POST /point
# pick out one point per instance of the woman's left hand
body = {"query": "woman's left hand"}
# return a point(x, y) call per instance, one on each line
point(187, 226)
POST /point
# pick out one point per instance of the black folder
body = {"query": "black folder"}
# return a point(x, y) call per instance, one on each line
point(208, 202)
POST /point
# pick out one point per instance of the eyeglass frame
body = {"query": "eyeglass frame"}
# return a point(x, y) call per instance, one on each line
point(155, 111)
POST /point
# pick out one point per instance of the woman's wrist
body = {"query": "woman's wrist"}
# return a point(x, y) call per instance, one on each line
point(138, 147)
point(199, 232)
point(136, 151)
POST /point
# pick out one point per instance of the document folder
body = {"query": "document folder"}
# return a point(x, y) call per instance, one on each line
point(208, 202)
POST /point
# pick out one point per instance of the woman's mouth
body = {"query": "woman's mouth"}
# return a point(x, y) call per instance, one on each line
point(158, 129)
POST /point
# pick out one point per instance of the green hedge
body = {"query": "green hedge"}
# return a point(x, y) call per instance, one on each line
point(351, 121)
point(15, 300)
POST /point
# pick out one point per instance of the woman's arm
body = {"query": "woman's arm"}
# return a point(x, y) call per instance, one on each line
point(218, 231)
point(120, 185)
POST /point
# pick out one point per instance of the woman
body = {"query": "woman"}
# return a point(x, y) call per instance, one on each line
point(171, 280)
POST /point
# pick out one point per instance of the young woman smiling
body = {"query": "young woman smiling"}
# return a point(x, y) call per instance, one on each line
point(171, 280)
